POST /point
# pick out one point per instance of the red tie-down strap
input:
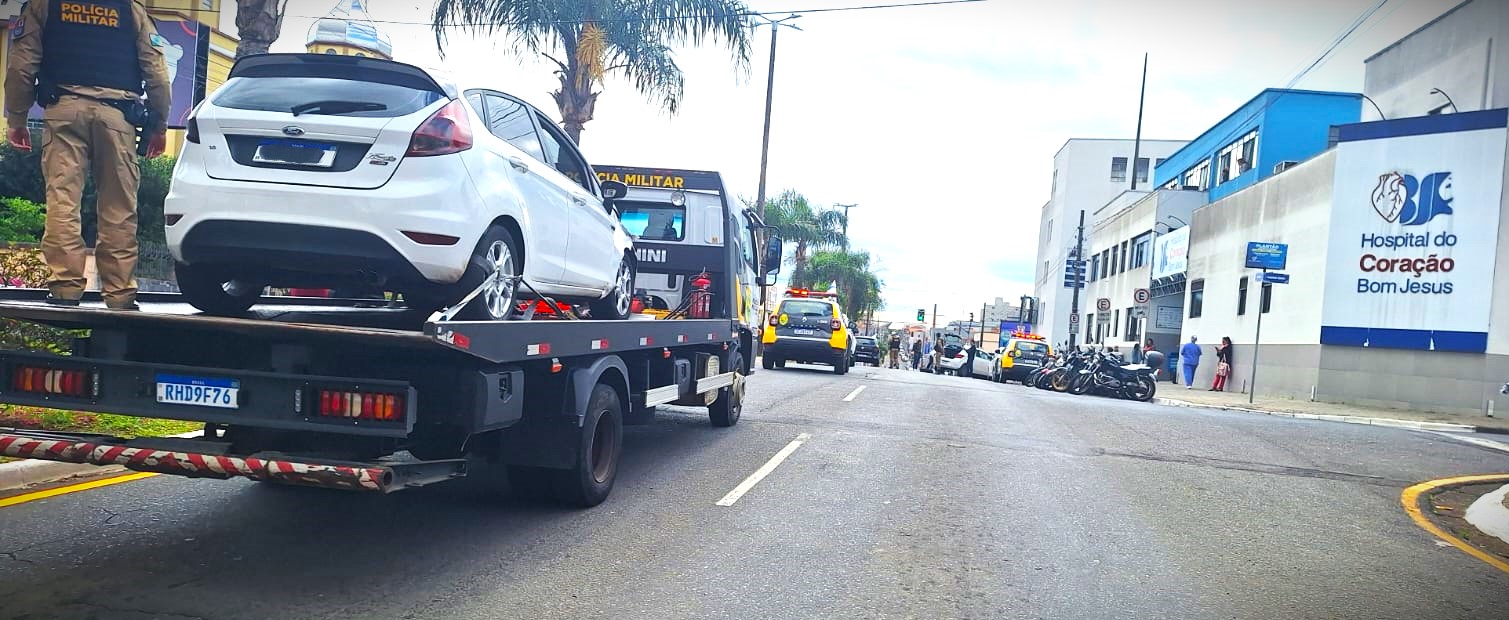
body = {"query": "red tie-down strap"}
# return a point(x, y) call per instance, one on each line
point(198, 465)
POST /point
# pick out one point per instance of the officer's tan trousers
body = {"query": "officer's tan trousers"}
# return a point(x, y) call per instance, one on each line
point(82, 136)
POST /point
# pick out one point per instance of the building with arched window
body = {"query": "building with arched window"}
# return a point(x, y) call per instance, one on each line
point(348, 31)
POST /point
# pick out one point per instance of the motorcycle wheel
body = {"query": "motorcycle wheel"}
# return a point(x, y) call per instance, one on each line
point(1059, 382)
point(1081, 385)
point(1143, 390)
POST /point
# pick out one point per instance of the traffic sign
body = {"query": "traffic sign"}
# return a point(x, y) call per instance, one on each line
point(1273, 277)
point(1074, 319)
point(1103, 305)
point(1141, 296)
point(1267, 255)
point(1139, 312)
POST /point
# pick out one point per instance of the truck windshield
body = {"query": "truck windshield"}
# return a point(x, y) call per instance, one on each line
point(654, 221)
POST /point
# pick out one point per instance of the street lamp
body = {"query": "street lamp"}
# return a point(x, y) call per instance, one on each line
point(775, 27)
point(1375, 107)
point(1437, 91)
point(846, 224)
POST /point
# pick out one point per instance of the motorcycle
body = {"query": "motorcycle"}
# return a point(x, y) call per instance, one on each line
point(1111, 376)
point(1072, 373)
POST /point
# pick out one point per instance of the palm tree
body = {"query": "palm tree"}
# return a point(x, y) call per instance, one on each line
point(807, 228)
point(590, 39)
point(258, 23)
point(858, 286)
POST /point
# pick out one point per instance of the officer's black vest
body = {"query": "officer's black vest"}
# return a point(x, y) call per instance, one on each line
point(91, 43)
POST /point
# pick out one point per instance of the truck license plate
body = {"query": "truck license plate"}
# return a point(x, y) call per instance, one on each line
point(201, 391)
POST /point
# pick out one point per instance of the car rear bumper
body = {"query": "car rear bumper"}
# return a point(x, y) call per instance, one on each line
point(803, 350)
point(329, 230)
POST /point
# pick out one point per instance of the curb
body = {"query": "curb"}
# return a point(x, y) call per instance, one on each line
point(28, 472)
point(1445, 427)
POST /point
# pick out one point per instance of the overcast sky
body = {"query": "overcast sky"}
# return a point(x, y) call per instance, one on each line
point(940, 122)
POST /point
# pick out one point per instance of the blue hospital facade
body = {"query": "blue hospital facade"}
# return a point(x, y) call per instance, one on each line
point(1276, 129)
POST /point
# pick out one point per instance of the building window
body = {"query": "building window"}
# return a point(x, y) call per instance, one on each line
point(1054, 190)
point(1267, 303)
point(1196, 298)
point(1105, 263)
point(1132, 324)
point(1141, 247)
point(1125, 245)
point(1223, 168)
point(1198, 176)
point(1142, 169)
point(1094, 268)
point(1242, 296)
point(1237, 157)
point(1115, 322)
point(1118, 168)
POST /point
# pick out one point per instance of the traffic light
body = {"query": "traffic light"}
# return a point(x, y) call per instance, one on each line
point(921, 314)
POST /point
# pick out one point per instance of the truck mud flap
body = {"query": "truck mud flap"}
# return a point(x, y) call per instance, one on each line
point(96, 450)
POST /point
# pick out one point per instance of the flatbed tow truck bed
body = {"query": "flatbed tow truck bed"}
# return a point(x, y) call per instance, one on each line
point(329, 393)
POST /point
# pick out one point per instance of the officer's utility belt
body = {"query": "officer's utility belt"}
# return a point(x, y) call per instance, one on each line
point(137, 113)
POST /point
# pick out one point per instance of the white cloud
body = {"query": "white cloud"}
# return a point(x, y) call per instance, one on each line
point(940, 122)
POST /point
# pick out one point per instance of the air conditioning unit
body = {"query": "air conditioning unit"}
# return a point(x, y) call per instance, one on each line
point(1284, 165)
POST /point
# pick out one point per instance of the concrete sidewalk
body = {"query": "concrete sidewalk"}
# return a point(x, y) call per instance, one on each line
point(1355, 414)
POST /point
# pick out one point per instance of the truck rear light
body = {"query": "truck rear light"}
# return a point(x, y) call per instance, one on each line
point(56, 381)
point(380, 406)
point(447, 131)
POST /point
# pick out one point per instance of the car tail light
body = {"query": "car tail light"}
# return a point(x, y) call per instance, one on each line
point(380, 406)
point(56, 381)
point(835, 325)
point(446, 131)
point(192, 133)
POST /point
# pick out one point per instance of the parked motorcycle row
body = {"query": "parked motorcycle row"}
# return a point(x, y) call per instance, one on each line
point(1095, 372)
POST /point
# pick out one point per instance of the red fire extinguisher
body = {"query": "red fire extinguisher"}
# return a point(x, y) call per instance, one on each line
point(702, 298)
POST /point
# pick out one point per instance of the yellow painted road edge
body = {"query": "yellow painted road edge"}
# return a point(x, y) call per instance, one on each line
point(72, 488)
point(1411, 500)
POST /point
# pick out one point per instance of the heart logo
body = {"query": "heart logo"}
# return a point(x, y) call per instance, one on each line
point(1390, 196)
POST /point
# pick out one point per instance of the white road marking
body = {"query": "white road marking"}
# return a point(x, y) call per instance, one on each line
point(764, 470)
point(856, 392)
point(1476, 441)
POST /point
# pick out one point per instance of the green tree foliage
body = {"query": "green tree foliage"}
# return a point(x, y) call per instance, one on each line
point(20, 220)
point(858, 286)
point(588, 40)
point(805, 227)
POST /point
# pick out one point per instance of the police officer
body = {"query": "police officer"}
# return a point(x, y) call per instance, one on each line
point(85, 61)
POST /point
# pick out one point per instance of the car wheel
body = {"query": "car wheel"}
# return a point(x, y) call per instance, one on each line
point(615, 305)
point(767, 362)
point(213, 293)
point(496, 263)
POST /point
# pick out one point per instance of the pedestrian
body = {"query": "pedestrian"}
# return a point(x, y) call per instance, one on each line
point(916, 352)
point(1223, 365)
point(1154, 358)
point(1189, 358)
point(86, 65)
point(1136, 353)
point(895, 350)
point(968, 369)
point(927, 355)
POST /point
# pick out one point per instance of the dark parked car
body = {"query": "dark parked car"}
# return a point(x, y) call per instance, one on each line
point(866, 350)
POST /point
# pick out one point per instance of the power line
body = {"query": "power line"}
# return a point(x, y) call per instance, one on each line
point(1319, 60)
point(867, 7)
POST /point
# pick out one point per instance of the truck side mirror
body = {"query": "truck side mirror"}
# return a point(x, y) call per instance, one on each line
point(772, 263)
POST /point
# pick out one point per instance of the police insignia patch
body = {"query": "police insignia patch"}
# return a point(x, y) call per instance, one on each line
point(158, 41)
point(18, 28)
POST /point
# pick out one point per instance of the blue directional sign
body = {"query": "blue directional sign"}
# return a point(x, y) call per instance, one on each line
point(1074, 273)
point(1273, 277)
point(1262, 255)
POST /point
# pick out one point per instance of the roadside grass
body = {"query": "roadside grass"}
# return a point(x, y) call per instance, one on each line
point(39, 418)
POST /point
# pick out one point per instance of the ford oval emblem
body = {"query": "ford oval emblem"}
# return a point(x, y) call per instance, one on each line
point(293, 130)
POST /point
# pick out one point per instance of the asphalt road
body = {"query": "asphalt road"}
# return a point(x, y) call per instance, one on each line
point(922, 497)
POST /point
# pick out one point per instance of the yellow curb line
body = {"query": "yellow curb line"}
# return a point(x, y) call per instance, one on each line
point(72, 488)
point(1411, 500)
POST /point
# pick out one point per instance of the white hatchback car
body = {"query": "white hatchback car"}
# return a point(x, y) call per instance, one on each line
point(322, 171)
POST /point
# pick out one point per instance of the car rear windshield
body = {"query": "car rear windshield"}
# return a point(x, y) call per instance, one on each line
point(281, 94)
point(866, 340)
point(1032, 347)
point(806, 308)
point(654, 221)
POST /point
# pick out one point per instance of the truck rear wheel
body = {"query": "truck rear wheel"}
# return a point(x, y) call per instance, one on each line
point(730, 404)
point(591, 477)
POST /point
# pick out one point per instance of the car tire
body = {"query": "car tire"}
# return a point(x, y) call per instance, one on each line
point(767, 362)
point(616, 304)
point(497, 250)
point(841, 365)
point(595, 467)
point(211, 292)
point(725, 411)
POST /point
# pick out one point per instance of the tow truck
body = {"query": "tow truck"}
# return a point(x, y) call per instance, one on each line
point(329, 393)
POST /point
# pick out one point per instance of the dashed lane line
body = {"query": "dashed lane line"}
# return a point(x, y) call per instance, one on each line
point(764, 470)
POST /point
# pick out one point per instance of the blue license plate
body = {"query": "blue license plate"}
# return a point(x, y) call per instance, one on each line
point(200, 391)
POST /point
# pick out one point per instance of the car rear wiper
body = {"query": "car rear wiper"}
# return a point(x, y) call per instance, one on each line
point(337, 106)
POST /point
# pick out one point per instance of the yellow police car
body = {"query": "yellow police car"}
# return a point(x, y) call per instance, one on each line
point(808, 327)
point(1022, 354)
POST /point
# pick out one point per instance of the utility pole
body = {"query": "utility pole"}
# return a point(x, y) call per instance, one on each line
point(775, 28)
point(1079, 250)
point(935, 322)
point(981, 344)
point(1137, 142)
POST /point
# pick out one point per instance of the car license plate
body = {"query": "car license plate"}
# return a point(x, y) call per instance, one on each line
point(295, 153)
point(804, 332)
point(201, 391)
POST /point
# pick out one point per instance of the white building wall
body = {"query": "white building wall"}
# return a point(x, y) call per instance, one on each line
point(1083, 182)
point(1125, 218)
point(1462, 53)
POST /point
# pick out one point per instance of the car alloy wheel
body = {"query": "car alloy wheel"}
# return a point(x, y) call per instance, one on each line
point(623, 296)
point(498, 295)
